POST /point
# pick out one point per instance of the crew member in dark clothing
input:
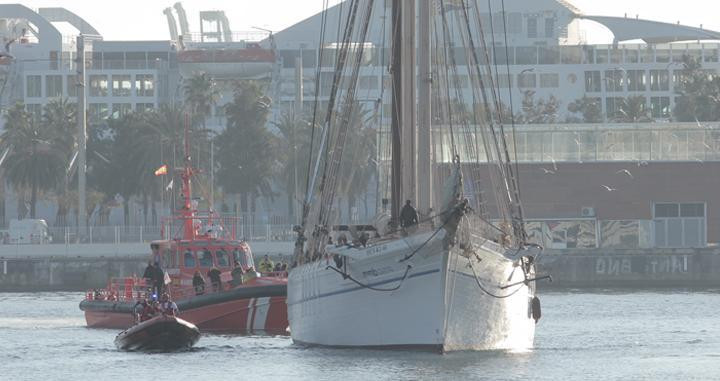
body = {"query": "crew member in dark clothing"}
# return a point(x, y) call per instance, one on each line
point(198, 283)
point(408, 215)
point(214, 275)
point(236, 274)
point(158, 279)
point(149, 274)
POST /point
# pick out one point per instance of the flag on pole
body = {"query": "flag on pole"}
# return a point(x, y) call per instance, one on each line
point(161, 171)
point(170, 185)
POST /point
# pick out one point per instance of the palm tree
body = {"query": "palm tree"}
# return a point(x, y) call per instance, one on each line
point(293, 144)
point(358, 162)
point(35, 159)
point(59, 115)
point(160, 138)
point(201, 94)
point(245, 148)
point(698, 93)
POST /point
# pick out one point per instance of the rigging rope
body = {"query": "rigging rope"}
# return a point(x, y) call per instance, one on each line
point(348, 276)
point(483, 289)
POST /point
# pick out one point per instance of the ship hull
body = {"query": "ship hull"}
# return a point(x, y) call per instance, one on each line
point(247, 312)
point(438, 305)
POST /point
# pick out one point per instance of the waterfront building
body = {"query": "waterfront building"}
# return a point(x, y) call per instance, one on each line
point(582, 193)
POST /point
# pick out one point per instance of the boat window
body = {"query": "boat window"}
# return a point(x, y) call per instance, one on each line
point(168, 259)
point(206, 259)
point(189, 259)
point(222, 258)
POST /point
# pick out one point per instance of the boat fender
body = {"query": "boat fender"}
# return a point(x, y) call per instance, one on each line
point(536, 311)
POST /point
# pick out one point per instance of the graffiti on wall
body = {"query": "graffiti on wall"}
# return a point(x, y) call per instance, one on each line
point(672, 264)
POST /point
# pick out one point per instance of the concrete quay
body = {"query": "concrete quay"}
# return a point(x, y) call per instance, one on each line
point(77, 267)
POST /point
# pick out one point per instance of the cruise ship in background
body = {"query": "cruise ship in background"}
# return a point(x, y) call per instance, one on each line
point(548, 56)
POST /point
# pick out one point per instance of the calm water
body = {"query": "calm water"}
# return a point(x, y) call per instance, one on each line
point(582, 336)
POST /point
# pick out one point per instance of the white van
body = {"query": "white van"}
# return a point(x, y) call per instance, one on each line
point(28, 231)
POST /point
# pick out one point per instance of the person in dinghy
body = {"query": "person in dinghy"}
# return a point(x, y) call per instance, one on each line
point(167, 306)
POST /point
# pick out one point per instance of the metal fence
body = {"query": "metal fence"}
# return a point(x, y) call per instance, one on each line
point(135, 234)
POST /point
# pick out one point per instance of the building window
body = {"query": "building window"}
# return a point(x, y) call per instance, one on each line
point(614, 80)
point(526, 80)
point(98, 85)
point(612, 106)
point(710, 55)
point(71, 86)
point(98, 112)
point(636, 80)
point(526, 55)
point(549, 80)
point(53, 86)
point(514, 23)
point(592, 81)
point(659, 80)
point(660, 107)
point(549, 56)
point(532, 26)
point(120, 109)
point(549, 27)
point(34, 86)
point(144, 85)
point(114, 60)
point(136, 60)
point(679, 224)
point(121, 85)
point(142, 107)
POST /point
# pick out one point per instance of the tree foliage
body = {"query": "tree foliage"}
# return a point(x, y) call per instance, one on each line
point(632, 109)
point(540, 111)
point(201, 94)
point(37, 154)
point(698, 93)
point(588, 109)
point(245, 148)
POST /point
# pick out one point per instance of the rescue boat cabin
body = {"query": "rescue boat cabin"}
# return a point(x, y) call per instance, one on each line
point(182, 258)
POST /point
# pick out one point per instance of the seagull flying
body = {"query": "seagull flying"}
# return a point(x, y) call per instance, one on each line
point(609, 189)
point(625, 171)
point(547, 171)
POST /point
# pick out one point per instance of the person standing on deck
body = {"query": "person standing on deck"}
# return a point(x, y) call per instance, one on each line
point(408, 215)
point(214, 275)
point(266, 265)
point(158, 279)
point(198, 283)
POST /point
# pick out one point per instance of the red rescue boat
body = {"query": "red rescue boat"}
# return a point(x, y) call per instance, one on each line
point(244, 302)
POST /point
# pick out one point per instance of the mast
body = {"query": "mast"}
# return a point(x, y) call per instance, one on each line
point(396, 71)
point(407, 118)
point(424, 148)
point(188, 211)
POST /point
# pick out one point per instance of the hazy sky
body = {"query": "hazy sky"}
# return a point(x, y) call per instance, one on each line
point(144, 20)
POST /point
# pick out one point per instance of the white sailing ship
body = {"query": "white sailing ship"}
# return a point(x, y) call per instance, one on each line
point(451, 282)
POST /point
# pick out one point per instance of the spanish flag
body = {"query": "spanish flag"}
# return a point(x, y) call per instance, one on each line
point(161, 171)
